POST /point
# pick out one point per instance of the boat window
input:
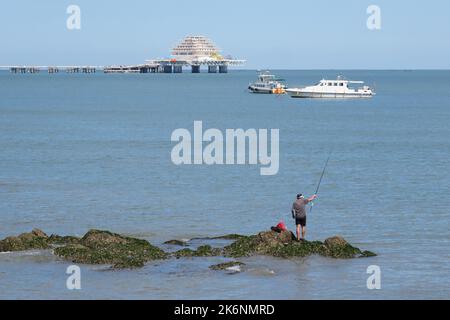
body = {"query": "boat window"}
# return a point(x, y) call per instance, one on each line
point(341, 84)
point(330, 84)
point(335, 84)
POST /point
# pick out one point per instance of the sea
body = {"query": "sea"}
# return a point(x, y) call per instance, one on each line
point(93, 151)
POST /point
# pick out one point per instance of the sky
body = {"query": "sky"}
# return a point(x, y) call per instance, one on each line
point(325, 34)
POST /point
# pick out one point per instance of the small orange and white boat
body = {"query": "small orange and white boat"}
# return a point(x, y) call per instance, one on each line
point(268, 83)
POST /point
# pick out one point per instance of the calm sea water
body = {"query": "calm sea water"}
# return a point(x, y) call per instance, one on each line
point(93, 151)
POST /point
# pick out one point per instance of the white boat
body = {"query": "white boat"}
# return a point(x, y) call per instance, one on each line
point(338, 88)
point(267, 83)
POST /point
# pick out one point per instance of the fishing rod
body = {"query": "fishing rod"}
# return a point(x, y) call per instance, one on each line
point(321, 177)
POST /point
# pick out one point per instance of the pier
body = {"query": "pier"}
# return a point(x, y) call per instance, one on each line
point(51, 69)
point(193, 53)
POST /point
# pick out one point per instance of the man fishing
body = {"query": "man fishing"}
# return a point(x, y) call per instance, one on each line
point(299, 214)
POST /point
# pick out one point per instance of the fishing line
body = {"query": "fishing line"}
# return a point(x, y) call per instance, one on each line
point(321, 177)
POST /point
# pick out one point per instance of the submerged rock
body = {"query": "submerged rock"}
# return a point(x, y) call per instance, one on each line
point(226, 265)
point(35, 239)
point(202, 251)
point(104, 247)
point(176, 243)
point(231, 236)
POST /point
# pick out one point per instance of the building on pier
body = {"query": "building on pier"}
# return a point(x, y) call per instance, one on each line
point(192, 51)
point(197, 51)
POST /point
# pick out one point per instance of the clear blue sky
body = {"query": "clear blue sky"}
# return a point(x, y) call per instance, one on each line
point(269, 34)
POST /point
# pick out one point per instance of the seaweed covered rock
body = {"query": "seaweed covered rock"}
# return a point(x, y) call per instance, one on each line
point(285, 245)
point(55, 239)
point(263, 243)
point(202, 251)
point(298, 249)
point(104, 247)
point(338, 247)
point(36, 239)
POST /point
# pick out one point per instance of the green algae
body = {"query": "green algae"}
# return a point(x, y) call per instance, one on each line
point(243, 247)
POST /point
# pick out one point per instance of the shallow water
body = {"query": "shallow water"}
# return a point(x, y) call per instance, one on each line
point(93, 151)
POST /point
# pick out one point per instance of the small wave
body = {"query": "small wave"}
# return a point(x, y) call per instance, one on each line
point(31, 253)
point(263, 272)
point(234, 269)
point(22, 253)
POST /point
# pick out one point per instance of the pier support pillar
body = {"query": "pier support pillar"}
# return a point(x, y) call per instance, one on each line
point(177, 69)
point(223, 69)
point(167, 69)
point(212, 69)
point(195, 69)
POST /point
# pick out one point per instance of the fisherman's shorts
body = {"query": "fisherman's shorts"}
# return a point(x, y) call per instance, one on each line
point(301, 221)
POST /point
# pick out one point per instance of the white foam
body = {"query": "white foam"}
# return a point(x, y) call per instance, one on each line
point(234, 268)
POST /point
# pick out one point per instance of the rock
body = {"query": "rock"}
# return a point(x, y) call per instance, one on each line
point(298, 249)
point(338, 247)
point(272, 238)
point(104, 247)
point(262, 243)
point(285, 245)
point(100, 239)
point(26, 241)
point(367, 254)
point(232, 236)
point(176, 243)
point(202, 251)
point(39, 233)
point(335, 241)
point(226, 265)
point(55, 239)
point(240, 248)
